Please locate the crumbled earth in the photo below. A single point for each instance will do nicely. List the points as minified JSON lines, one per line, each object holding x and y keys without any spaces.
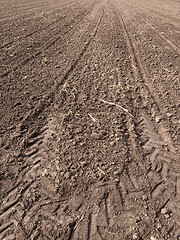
{"x":89,"y":128}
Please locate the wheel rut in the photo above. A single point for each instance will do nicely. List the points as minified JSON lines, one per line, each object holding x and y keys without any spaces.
{"x":142,"y":81}
{"x":36,"y":155}
{"x":60,"y":84}
{"x":163,"y":173}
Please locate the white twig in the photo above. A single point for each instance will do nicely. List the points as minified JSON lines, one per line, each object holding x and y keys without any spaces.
{"x":166,"y":70}
{"x":114,"y":104}
{"x":133,"y":66}
{"x":81,"y":218}
{"x":94,"y":119}
{"x":101,"y":170}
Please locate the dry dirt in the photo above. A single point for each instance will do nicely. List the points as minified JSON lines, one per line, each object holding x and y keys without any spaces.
{"x":89,"y":129}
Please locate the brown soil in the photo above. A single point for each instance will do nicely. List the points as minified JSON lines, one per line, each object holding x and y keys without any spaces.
{"x":89,"y":119}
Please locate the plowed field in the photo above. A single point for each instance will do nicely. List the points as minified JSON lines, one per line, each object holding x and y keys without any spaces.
{"x":90,"y":119}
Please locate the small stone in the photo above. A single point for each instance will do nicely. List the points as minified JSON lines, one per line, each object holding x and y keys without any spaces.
{"x":101,"y":176}
{"x":82,"y":144}
{"x":135,"y":236}
{"x":17,"y":154}
{"x":159,"y":226}
{"x":117,"y":172}
{"x":95,"y":135}
{"x":163,"y":210}
{"x":11,"y":160}
{"x":45,"y":172}
{"x":158,"y":119}
{"x":15,"y":222}
{"x":45,"y":60}
{"x":112,"y":144}
{"x":168,"y":114}
{"x":144,"y":197}
{"x":73,"y":179}
{"x":153,"y":238}
{"x":116,"y":180}
{"x":67,"y":175}
{"x":84,"y":163}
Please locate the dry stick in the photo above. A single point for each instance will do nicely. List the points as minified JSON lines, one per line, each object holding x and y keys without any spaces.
{"x":114,"y":104}
{"x":101,"y":170}
{"x":81,"y":218}
{"x":94,"y":119}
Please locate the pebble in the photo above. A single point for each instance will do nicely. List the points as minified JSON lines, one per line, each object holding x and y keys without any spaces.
{"x":11,"y":160}
{"x":67,"y":175}
{"x":163,"y":210}
{"x":158,"y":119}
{"x":135,"y":236}
{"x":84,"y":163}
{"x":45,"y":60}
{"x":45,"y":172}
{"x":112,"y":144}
{"x":159,"y":226}
{"x":101,"y":176}
{"x":95,"y":135}
{"x":169,"y":114}
{"x":153,"y":238}
{"x":117,"y":172}
{"x":17,"y":154}
{"x":145,"y":198}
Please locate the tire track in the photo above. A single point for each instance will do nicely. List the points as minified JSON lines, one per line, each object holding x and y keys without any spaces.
{"x":104,"y":216}
{"x":164,"y":172}
{"x":46,"y":45}
{"x":162,"y":187}
{"x":37,"y":155}
{"x":136,"y":65}
{"x":140,"y":73}
{"x":50,"y":96}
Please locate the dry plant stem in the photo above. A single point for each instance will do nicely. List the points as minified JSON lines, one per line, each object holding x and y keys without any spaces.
{"x":94,"y":120}
{"x":101,"y":170}
{"x":81,"y":218}
{"x":114,"y":104}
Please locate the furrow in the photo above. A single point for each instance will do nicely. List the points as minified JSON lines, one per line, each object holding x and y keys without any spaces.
{"x":46,"y":46}
{"x":44,"y":103}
